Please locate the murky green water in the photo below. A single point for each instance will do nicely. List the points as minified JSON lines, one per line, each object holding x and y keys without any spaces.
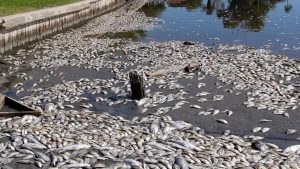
{"x":271,"y":24}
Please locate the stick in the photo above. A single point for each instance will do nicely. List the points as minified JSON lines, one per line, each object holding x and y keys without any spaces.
{"x":19,"y":113}
{"x":137,"y":85}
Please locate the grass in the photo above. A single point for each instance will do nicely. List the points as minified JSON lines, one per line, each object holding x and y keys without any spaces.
{"x":9,"y":7}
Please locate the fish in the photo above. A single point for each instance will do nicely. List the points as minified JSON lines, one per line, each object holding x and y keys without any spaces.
{"x":155,"y":126}
{"x":226,"y":132}
{"x":264,"y":120}
{"x":25,"y":151}
{"x":73,"y":147}
{"x":291,"y":131}
{"x":293,"y":149}
{"x":181,"y":162}
{"x":76,"y":165}
{"x":215,"y":112}
{"x":195,"y":106}
{"x":265,"y":129}
{"x":31,"y":146}
{"x":256,"y":129}
{"x":42,"y":156}
{"x":222,"y":121}
{"x":260,"y":146}
{"x":25,"y":162}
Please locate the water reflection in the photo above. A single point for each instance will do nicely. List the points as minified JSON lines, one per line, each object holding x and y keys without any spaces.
{"x":249,"y":15}
{"x":246,"y":14}
{"x":287,"y":7}
{"x":190,"y":5}
{"x":154,"y":9}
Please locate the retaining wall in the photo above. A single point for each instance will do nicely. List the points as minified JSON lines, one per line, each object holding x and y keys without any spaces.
{"x":22,"y":28}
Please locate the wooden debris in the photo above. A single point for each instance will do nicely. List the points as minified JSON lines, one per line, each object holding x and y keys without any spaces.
{"x":19,"y":108}
{"x":137,"y":85}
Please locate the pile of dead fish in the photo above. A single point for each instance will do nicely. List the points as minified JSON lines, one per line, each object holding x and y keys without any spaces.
{"x":271,"y":82}
{"x":84,"y":140}
{"x":68,"y":139}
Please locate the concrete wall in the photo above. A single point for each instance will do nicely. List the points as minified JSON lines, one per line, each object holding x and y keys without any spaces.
{"x":22,"y":28}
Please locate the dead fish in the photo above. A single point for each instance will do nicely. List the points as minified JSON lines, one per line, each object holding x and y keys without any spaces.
{"x":226,"y":132}
{"x":25,"y":162}
{"x":181,"y":162}
{"x":50,"y":107}
{"x":218,"y":97}
{"x":264,"y":120}
{"x":207,"y":113}
{"x":155,"y":126}
{"x":73,"y":147}
{"x":258,"y":145}
{"x":291,"y":131}
{"x":256,"y":129}
{"x":201,"y":100}
{"x":31,"y":146}
{"x":201,"y":85}
{"x":293,"y":149}
{"x":222,"y":121}
{"x":195,"y":106}
{"x":228,"y":112}
{"x":187,"y":145}
{"x":54,"y":160}
{"x":215,"y":112}
{"x":142,"y":101}
{"x":69,"y":106}
{"x":17,"y":85}
{"x":38,"y":164}
{"x":202,"y":94}
{"x":76,"y":165}
{"x":99,"y":165}
{"x":265,"y":129}
{"x":133,"y":163}
{"x":201,"y":113}
{"x":85,"y":106}
{"x":42,"y":156}
{"x":25,"y":151}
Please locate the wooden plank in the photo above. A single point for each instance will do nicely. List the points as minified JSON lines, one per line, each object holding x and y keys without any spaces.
{"x":16,"y":105}
{"x":2,"y":101}
{"x":19,"y":113}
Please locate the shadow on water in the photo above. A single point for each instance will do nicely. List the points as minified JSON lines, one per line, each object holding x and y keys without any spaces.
{"x":248,"y":14}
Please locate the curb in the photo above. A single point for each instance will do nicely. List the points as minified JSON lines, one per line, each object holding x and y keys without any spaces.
{"x":19,"y":29}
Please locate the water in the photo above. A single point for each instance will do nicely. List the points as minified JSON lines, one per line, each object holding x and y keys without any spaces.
{"x":271,"y":24}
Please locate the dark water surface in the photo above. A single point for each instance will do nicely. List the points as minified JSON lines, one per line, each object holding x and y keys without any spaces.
{"x":272,"y":24}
